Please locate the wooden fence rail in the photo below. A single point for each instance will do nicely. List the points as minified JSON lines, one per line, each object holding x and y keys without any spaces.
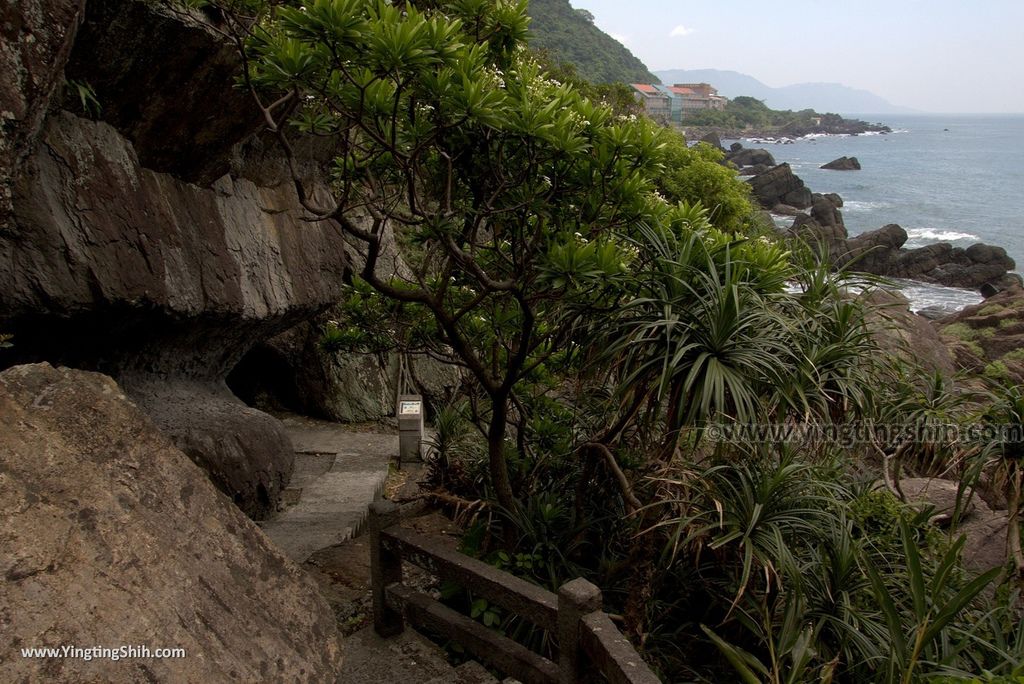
{"x":588,"y":640}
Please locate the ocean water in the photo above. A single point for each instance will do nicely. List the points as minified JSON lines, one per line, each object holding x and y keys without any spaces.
{"x":944,"y":178}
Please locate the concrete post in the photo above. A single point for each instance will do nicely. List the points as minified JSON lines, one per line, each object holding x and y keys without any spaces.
{"x":575,"y":600}
{"x":385,"y":569}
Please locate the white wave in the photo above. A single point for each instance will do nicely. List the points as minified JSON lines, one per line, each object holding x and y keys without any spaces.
{"x":937,"y":235}
{"x":947,"y":300}
{"x":855,"y":205}
{"x":936,"y":297}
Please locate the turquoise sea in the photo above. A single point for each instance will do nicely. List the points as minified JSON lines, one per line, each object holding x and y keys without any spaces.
{"x":944,"y":178}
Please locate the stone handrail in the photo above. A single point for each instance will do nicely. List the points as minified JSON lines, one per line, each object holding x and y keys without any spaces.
{"x":586,"y":635}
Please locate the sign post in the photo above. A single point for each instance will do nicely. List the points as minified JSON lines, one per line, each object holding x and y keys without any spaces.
{"x":410,"y":427}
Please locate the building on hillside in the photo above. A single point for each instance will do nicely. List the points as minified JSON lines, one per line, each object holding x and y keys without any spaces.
{"x":656,"y":104}
{"x":676,"y":102}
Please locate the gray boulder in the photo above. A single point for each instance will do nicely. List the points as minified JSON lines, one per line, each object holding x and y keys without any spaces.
{"x":751,"y":157}
{"x":779,"y":185}
{"x":985,"y":529}
{"x":713,"y":140}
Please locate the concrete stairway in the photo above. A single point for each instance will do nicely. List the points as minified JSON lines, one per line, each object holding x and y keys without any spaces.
{"x":338,"y":473}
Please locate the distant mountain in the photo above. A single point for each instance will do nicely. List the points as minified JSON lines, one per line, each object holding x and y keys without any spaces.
{"x":823,"y":97}
{"x":570,"y":35}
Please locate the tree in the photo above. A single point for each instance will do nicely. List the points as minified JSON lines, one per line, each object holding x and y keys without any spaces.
{"x":503,"y":191}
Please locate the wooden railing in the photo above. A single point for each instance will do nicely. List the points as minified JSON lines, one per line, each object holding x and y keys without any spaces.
{"x":588,"y":640}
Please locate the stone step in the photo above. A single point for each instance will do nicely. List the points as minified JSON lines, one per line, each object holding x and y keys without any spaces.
{"x":338,"y":473}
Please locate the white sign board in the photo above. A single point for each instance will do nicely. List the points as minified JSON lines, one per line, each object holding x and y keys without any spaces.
{"x":409,"y":408}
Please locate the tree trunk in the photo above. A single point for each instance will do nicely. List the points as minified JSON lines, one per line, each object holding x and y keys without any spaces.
{"x":498,"y":467}
{"x":673,"y":425}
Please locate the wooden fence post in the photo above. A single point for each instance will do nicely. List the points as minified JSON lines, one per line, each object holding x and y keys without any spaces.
{"x":575,"y":600}
{"x":385,"y":569}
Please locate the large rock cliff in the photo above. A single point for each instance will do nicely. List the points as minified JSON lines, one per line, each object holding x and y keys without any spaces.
{"x":130,"y":249}
{"x":112,"y":537}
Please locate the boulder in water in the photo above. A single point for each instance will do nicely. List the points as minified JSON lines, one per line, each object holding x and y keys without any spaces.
{"x":843,"y":164}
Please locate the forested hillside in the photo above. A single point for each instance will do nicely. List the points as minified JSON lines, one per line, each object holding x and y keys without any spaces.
{"x":571,"y":36}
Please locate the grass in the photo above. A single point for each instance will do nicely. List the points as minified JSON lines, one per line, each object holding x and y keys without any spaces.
{"x":992,"y":309}
{"x":960,"y":331}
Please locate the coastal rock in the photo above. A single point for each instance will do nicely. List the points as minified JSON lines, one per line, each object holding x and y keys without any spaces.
{"x":989,"y":337}
{"x":835,"y":199}
{"x":112,"y":536}
{"x":825,"y":212}
{"x":754,"y":170}
{"x":906,"y":335}
{"x":163,"y":283}
{"x":843,"y":164}
{"x":751,"y":157}
{"x":779,"y":185}
{"x":785,"y":210}
{"x":872,"y":252}
{"x":1006,"y":282}
{"x":881,"y":252}
{"x":712,"y":139}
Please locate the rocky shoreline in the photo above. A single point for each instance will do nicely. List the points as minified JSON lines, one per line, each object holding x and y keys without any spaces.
{"x":828,"y":124}
{"x":817,"y":219}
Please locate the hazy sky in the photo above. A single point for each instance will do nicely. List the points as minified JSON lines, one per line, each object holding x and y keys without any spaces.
{"x":933,"y":55}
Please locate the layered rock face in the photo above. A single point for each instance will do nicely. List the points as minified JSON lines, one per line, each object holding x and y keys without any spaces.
{"x":112,"y":537}
{"x":35,"y":37}
{"x":144,"y":260}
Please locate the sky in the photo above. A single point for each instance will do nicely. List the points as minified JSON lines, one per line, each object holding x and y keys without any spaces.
{"x":931,"y":55}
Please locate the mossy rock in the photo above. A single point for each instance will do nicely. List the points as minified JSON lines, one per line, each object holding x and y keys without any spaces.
{"x":1016,"y":355}
{"x":992,"y":309}
{"x":997,"y":370}
{"x":1011,"y":326}
{"x":960,"y":331}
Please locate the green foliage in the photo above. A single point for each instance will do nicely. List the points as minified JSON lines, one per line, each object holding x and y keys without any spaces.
{"x":695,"y":175}
{"x":960,"y":331}
{"x":574,"y":39}
{"x":509,"y":194}
{"x":919,"y":621}
{"x":599,"y":283}
{"x":1015,"y":355}
{"x":86,"y":97}
{"x":997,"y":370}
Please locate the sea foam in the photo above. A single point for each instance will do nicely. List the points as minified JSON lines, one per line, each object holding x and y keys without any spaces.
{"x":937,"y":235}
